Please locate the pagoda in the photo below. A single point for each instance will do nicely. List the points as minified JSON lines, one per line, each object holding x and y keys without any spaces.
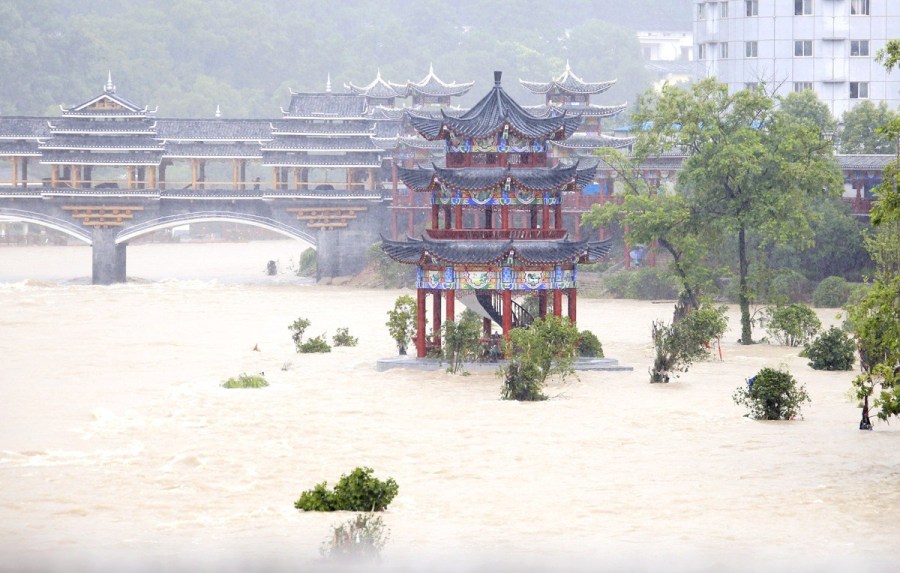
{"x":496,"y":167}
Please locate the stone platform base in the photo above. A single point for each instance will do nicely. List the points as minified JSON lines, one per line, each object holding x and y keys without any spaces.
{"x":413,"y":363}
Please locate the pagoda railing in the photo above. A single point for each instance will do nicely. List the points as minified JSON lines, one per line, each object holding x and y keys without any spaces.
{"x":496,"y":234}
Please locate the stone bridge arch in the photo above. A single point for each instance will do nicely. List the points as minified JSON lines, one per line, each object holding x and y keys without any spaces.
{"x":31,"y":217}
{"x":167,"y":222}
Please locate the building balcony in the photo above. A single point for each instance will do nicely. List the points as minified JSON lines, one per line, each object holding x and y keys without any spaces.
{"x":495,"y":234}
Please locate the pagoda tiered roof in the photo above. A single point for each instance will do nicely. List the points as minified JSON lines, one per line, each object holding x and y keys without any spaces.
{"x":543,"y":179}
{"x":490,"y":252}
{"x":378,"y":89}
{"x":431,"y":85}
{"x":326,"y":106}
{"x":568,"y":82}
{"x":496,"y":112}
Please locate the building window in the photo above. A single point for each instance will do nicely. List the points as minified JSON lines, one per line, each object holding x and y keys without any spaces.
{"x":752,"y":7}
{"x":802,"y":48}
{"x":723,"y":50}
{"x":751,"y":86}
{"x":701,"y":11}
{"x":859,"y":90}
{"x":803,"y":7}
{"x":859,"y":7}
{"x":750,"y":49}
{"x":701,"y":52}
{"x":803,"y":86}
{"x":723,"y":9}
{"x":859,"y":48}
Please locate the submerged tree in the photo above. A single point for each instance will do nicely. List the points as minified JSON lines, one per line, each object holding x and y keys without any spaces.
{"x":750,"y":167}
{"x":546,"y":348}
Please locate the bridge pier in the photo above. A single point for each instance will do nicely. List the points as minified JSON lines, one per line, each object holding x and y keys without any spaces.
{"x":108,"y":258}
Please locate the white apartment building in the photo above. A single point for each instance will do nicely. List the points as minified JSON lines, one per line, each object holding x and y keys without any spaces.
{"x":791,"y":45}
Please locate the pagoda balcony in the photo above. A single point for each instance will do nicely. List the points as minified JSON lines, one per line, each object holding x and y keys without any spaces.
{"x":495,"y":234}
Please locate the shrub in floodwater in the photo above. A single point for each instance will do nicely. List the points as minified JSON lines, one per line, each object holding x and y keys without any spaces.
{"x":359,"y":538}
{"x":298,"y":328}
{"x":343,"y":338}
{"x":315,"y":344}
{"x":246,"y":381}
{"x":544,"y":349}
{"x":358,"y":491}
{"x":832,"y":350}
{"x":589,"y":345}
{"x":772,"y":395}
{"x":792,"y":325}
{"x":832,"y":292}
{"x":680,"y":344}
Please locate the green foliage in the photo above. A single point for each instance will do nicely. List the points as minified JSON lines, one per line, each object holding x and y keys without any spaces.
{"x":806,"y":106}
{"x":360,"y":538}
{"x":307,"y":264}
{"x":772,"y":395}
{"x":298,"y":328}
{"x":358,"y":491}
{"x":589,"y":346}
{"x":832,"y":292}
{"x":343,"y":338}
{"x":402,"y":322}
{"x":793,"y":324}
{"x":246,"y":381}
{"x":460,"y":341}
{"x":788,"y":286}
{"x":831,"y":350}
{"x":544,"y":349}
{"x":752,"y":169}
{"x":861,"y":128}
{"x":391,"y":273}
{"x":316,"y":344}
{"x":680,"y":344}
{"x":649,"y":283}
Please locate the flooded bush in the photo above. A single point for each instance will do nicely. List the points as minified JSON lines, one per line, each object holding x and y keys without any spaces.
{"x":360,"y":538}
{"x":832,"y":350}
{"x":589,"y":346}
{"x":680,"y":344}
{"x":832,"y":292}
{"x":358,"y":491}
{"x":792,"y":325}
{"x":314,"y":345}
{"x":788,"y":286}
{"x":343,"y":338}
{"x":772,"y":395}
{"x":544,"y":349}
{"x":246,"y":381}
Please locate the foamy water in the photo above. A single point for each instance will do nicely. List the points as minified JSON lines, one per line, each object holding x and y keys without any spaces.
{"x":120,"y":451}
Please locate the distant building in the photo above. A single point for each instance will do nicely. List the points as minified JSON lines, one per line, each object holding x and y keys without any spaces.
{"x":828,"y":46}
{"x":668,"y":55}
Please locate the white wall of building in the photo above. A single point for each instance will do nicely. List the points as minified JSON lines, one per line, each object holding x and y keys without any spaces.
{"x":830,"y":50}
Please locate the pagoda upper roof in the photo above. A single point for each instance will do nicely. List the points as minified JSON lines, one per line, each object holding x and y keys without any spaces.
{"x":488,"y":252}
{"x":492,"y":114}
{"x":568,"y":82}
{"x":482,"y":179}
{"x":378,"y":89}
{"x":431,"y":85}
{"x":326,"y":106}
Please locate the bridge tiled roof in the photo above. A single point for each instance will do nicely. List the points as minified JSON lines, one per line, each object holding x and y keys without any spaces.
{"x":489,"y":116}
{"x":483,"y":179}
{"x":23,"y":127}
{"x":86,"y":158}
{"x":488,"y":252}
{"x":568,"y":82}
{"x":11,"y":147}
{"x":326,"y":105}
{"x":305,"y":143}
{"x":102,"y":142}
{"x":212,"y":151}
{"x":308,"y":127}
{"x":284,"y":159}
{"x":870,"y":161}
{"x":63,"y":125}
{"x":213,"y":129}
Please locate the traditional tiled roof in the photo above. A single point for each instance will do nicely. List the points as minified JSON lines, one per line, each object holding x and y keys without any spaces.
{"x":284,"y":159}
{"x":420,"y":143}
{"x":487,"y":252}
{"x":304,"y":143}
{"x":432,"y":86}
{"x":309,"y":127}
{"x":213,"y":129}
{"x":491,"y":115}
{"x":11,"y":147}
{"x":139,"y":126}
{"x":326,"y":106}
{"x":865,"y":162}
{"x":590,"y":142}
{"x":121,"y":105}
{"x":568,"y":82}
{"x":482,"y":179}
{"x":87,"y":158}
{"x":387,"y":129}
{"x":23,"y":128}
{"x":378,"y":89}
{"x":102,"y":142}
{"x":585,"y":110}
{"x":213,"y":151}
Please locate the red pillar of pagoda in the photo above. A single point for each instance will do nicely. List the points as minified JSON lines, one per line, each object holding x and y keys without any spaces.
{"x":557,"y":302}
{"x":572,"y":304}
{"x":451,"y":305}
{"x":436,"y":314}
{"x":420,"y":323}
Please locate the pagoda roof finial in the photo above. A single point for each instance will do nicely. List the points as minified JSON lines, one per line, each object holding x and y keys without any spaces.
{"x":218,"y":111}
{"x":497,"y":75}
{"x":328,"y":84}
{"x":109,"y":87}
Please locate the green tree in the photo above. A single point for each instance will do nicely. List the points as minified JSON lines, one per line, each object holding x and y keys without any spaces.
{"x":806,"y":106}
{"x":772,"y":395}
{"x":460,"y":340}
{"x":751,"y":168}
{"x":680,"y":344}
{"x":402,"y":322}
{"x":545,"y":349}
{"x":861,"y":129}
